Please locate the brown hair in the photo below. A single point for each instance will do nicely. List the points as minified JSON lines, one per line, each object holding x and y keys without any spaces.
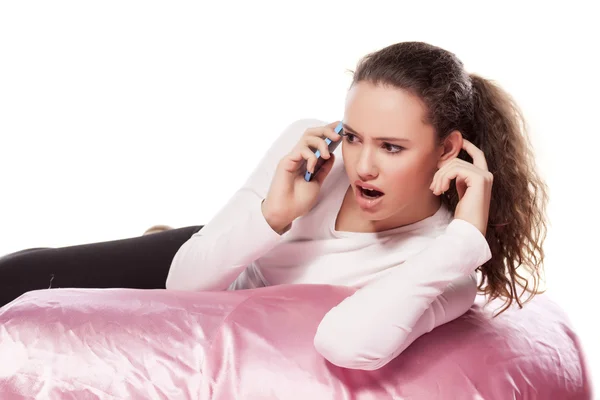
{"x":488,"y":117}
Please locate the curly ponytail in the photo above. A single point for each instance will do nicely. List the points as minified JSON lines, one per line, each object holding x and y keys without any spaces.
{"x":519,"y":196}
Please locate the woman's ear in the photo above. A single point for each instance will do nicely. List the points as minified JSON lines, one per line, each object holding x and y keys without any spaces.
{"x":451,"y":147}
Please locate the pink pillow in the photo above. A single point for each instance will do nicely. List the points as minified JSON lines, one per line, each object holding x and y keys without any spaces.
{"x":258,"y":344}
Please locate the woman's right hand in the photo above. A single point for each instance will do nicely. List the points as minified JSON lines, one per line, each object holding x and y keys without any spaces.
{"x":290,"y":196}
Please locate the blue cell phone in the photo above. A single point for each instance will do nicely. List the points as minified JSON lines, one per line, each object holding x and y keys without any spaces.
{"x":331,"y":145}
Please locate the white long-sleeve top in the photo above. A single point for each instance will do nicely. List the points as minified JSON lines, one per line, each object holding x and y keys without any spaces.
{"x":409,"y":279}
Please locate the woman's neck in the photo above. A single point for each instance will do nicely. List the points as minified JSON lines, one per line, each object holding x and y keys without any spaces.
{"x":351,"y":218}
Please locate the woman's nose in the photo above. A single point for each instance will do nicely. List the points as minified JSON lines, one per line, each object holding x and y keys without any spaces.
{"x":366,"y":168}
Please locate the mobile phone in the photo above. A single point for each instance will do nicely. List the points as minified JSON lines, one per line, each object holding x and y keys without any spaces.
{"x":331,"y":145}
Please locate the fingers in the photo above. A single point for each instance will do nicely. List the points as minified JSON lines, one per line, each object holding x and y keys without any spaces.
{"x":294,"y":159}
{"x":324,"y":170}
{"x":315,"y":138}
{"x":310,"y":157}
{"x":475,"y":152}
{"x":438,"y":178}
{"x":318,"y":143}
{"x":463,"y":172}
{"x":441,"y":179}
{"x":327,"y":131}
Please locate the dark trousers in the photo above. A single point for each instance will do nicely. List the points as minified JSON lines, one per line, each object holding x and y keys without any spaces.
{"x":139,"y":263}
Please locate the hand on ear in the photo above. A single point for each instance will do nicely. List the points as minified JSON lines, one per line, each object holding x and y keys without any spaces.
{"x":473,"y":184}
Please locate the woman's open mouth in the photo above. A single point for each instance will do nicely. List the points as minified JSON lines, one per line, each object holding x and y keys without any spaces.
{"x":371,"y":193}
{"x":367,"y":198}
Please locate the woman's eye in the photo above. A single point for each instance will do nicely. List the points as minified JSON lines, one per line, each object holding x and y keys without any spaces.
{"x":350,"y":137}
{"x":392,"y":148}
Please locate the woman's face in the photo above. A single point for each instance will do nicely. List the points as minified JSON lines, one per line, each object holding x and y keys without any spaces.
{"x":388,"y":146}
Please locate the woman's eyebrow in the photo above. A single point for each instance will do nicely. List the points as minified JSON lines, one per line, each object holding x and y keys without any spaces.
{"x":383,"y":139}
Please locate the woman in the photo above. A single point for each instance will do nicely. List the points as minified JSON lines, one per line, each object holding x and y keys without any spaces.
{"x":436,"y":182}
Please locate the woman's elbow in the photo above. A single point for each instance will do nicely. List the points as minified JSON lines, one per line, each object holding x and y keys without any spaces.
{"x":172,"y":283}
{"x":175,"y":279}
{"x":183,"y":272}
{"x":349,"y":352}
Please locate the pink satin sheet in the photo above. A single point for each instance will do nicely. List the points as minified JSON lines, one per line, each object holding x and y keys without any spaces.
{"x":258,"y":344}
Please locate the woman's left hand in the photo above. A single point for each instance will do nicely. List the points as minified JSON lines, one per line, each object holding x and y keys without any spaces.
{"x":473,"y":184}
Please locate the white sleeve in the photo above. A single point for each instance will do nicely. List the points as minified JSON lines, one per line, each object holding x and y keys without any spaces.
{"x":238,"y":234}
{"x":374,"y":325}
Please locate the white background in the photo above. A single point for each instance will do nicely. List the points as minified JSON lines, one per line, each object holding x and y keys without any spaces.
{"x":118,"y":115}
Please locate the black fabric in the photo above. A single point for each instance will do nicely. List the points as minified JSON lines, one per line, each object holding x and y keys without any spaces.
{"x":140,"y":263}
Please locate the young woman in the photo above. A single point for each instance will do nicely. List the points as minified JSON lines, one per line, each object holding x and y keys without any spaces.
{"x":435,"y":196}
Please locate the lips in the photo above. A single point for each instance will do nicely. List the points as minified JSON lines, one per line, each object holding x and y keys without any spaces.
{"x":368,"y":197}
{"x":368,"y":188}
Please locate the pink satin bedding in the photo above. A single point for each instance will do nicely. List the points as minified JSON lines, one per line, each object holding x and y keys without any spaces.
{"x":258,"y":344}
